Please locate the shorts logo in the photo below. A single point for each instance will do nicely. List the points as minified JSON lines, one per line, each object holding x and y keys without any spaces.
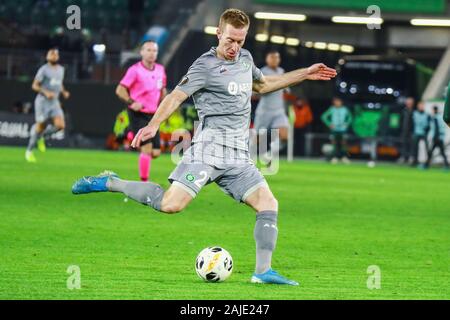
{"x":55,"y":82}
{"x":190,"y":177}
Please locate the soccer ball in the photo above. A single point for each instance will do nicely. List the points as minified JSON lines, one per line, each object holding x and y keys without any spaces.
{"x":214,"y":264}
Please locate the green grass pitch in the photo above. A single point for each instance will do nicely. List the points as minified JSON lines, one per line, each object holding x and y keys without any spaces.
{"x":335,"y":222}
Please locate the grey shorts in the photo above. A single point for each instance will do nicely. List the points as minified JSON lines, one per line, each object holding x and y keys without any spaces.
{"x":268,"y":121}
{"x":238,"y":181}
{"x":47,"y":109}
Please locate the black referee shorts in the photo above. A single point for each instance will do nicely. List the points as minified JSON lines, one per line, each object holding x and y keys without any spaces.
{"x":139,"y":120}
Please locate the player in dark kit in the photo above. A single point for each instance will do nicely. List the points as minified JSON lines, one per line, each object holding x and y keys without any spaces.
{"x":221,"y":83}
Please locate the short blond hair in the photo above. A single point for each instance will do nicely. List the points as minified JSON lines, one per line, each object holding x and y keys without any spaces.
{"x":235,"y":17}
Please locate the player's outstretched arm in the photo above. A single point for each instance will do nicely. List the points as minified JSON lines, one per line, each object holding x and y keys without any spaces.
{"x":317,"y":71}
{"x":168,"y":106}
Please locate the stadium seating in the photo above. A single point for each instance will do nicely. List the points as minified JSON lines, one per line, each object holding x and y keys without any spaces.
{"x":96,"y":14}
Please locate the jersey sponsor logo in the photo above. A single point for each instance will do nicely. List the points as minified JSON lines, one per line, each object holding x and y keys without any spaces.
{"x":55,"y":82}
{"x":234,"y":88}
{"x":183,"y":81}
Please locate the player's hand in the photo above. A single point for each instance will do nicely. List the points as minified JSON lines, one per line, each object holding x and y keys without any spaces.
{"x":136,"y":106}
{"x":319,"y":71}
{"x":144,"y":134}
{"x":66,"y":94}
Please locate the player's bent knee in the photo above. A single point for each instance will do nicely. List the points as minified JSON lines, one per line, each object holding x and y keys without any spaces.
{"x":59,"y":123}
{"x":284,"y":133}
{"x":171,"y":208}
{"x":40,"y":127}
{"x":175,"y":200}
{"x":271,"y":204}
{"x":147,"y":149}
{"x":156,"y":153}
{"x":262,"y":200}
{"x":266,"y":204}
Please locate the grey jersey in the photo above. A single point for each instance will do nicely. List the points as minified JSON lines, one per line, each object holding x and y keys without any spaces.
{"x":221,"y":91}
{"x":51,"y":78}
{"x":271,"y":103}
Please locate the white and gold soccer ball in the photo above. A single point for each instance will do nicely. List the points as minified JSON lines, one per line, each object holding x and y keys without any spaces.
{"x":214,"y":264}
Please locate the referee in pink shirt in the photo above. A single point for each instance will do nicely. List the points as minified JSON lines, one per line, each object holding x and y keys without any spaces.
{"x":142,"y":88}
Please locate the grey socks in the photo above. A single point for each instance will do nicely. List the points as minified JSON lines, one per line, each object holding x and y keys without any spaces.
{"x":34,"y":137}
{"x":51,"y":129}
{"x":276,"y":146}
{"x":266,"y":233}
{"x":147,"y":193}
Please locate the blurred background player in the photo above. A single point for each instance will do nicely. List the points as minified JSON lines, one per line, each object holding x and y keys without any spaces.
{"x":338,"y":119}
{"x":447,"y":107}
{"x":48,"y":83}
{"x":437,"y":133}
{"x":142,"y":89}
{"x":407,"y":130}
{"x":271,"y":110}
{"x":421,"y":126}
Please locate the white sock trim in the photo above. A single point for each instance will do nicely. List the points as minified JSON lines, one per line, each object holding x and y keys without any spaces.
{"x":185,"y":188}
{"x":253,"y":189}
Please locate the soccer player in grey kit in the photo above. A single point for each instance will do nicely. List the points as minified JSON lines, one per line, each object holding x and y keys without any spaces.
{"x":48,"y":83}
{"x":221,"y":83}
{"x":271,"y":110}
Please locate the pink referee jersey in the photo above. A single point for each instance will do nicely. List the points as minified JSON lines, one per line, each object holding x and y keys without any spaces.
{"x":145,"y":85}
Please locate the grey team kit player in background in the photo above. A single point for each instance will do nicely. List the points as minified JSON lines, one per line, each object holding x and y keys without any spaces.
{"x":48,"y":83}
{"x":271,"y":110}
{"x":221,"y":83}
